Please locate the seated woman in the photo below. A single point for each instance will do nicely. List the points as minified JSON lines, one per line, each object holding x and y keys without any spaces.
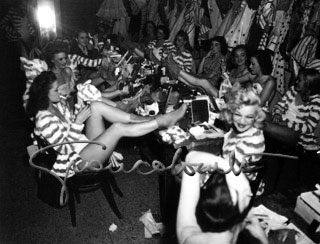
{"x":57,"y":59}
{"x":58,"y":126}
{"x":295,"y":119}
{"x":216,"y":211}
{"x":262,"y":81}
{"x":243,"y":112}
{"x":212,"y":207}
{"x":149,"y":34}
{"x":210,"y":66}
{"x":182,"y":56}
{"x":157,"y":50}
{"x":239,"y":69}
{"x":209,"y":70}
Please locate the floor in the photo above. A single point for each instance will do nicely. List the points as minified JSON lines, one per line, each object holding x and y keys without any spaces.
{"x":25,"y":219}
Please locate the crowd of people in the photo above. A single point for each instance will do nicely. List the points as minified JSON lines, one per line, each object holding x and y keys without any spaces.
{"x":214,"y":206}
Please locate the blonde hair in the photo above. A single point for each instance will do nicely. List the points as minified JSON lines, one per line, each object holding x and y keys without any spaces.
{"x":240,"y":98}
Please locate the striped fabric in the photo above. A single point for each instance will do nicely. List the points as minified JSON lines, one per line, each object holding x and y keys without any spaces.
{"x":165,"y":50}
{"x":265,"y":14}
{"x":184,"y":60}
{"x":314,"y":64}
{"x":250,"y":141}
{"x":305,"y":50}
{"x":50,"y":127}
{"x":301,"y":118}
{"x":76,"y":60}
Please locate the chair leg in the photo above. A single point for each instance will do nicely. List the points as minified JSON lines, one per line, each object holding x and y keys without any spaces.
{"x":113,"y":184}
{"x":77,"y":194}
{"x":72,"y":207}
{"x":106,"y":189}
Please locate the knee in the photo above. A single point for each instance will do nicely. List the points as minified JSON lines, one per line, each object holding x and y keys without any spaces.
{"x":96,"y":107}
{"x":119,"y":128}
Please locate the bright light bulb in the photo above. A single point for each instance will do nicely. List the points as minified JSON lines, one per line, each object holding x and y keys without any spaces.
{"x":46,"y":17}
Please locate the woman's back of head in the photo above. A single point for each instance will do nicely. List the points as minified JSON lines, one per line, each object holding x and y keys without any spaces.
{"x":215,"y":211}
{"x":38,"y":93}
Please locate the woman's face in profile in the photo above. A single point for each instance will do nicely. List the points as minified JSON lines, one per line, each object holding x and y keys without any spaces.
{"x":300,"y":84}
{"x":244,"y":117}
{"x":60,"y":60}
{"x":240,"y":57}
{"x":53,"y":94}
{"x":254,"y":66}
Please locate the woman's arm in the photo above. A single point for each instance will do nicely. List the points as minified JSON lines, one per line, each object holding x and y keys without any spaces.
{"x":48,"y":125}
{"x":267,"y":91}
{"x":187,"y":225}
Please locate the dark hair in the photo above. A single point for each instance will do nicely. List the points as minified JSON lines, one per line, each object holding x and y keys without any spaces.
{"x":53,"y":48}
{"x":144,"y":31}
{"x":38,"y":93}
{"x":215,"y":211}
{"x":312,"y":86}
{"x":185,"y":37}
{"x":165,"y":30}
{"x":241,"y":47}
{"x":264,"y":60}
{"x":223,"y":43}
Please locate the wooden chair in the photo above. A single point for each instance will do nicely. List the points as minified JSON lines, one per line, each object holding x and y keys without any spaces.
{"x":70,"y":188}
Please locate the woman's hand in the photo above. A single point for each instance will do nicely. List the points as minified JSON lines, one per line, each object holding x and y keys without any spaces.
{"x":125,"y":90}
{"x":255,"y":229}
{"x":276,"y":118}
{"x":83,"y":115}
{"x":240,"y":190}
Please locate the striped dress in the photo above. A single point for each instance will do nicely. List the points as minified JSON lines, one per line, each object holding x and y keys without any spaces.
{"x":164,"y":50}
{"x":50,"y":127}
{"x":184,"y":59}
{"x":302,"y":118}
{"x":250,"y":141}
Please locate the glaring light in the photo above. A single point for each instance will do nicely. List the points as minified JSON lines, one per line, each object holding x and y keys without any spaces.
{"x":46,"y":17}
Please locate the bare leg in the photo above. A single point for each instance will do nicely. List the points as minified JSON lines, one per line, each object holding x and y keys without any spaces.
{"x":100,"y":112}
{"x":112,"y":135}
{"x":198,"y":82}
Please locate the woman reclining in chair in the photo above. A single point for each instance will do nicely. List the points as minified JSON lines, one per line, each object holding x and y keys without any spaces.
{"x":57,"y":126}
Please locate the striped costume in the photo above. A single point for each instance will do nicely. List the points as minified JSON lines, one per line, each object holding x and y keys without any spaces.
{"x":165,"y":50}
{"x":50,"y":127}
{"x":250,"y":141}
{"x":184,"y":60}
{"x":301,"y":118}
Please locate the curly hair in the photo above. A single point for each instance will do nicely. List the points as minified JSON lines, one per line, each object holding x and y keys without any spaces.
{"x":185,"y":37}
{"x":264,"y":59}
{"x":223,"y":43}
{"x":215,"y":211}
{"x":53,"y":48}
{"x":240,"y":98}
{"x":38,"y":93}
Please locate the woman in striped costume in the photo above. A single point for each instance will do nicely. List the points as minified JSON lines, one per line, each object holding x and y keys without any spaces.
{"x":59,"y":127}
{"x":295,"y":120}
{"x":213,"y":206}
{"x":182,"y":56}
{"x":157,"y":50}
